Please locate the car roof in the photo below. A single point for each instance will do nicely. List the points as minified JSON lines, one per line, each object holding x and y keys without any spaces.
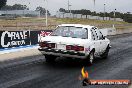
{"x":77,"y":25}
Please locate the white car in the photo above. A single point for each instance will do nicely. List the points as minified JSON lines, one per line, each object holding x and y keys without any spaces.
{"x":76,"y":41}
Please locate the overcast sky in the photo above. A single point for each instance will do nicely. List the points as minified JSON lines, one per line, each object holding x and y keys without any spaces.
{"x":54,"y":5}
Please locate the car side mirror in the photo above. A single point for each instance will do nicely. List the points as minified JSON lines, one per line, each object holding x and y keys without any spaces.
{"x":104,"y":37}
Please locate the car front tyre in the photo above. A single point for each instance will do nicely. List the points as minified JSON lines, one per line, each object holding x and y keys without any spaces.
{"x":105,"y":54}
{"x":50,"y":58}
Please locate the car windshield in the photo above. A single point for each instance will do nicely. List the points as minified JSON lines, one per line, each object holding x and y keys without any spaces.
{"x":74,"y":32}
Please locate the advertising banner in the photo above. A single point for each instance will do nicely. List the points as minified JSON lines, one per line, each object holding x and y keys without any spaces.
{"x":10,"y":39}
{"x":14,"y":38}
{"x":35,"y":36}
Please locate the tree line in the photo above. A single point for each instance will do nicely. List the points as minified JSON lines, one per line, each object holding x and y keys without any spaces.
{"x":2,"y":3}
{"x":23,"y":7}
{"x":15,"y":7}
{"x":125,"y":16}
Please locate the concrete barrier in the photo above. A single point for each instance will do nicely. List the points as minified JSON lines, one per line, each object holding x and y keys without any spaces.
{"x":122,"y":31}
{"x":114,"y":31}
{"x":108,"y":31}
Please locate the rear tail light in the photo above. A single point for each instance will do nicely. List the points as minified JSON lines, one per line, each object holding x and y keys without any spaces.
{"x":49,"y":45}
{"x":79,"y":48}
{"x":42,"y":44}
{"x":68,"y":47}
{"x":76,"y":48}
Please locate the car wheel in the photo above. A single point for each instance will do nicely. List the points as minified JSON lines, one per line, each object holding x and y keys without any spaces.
{"x":90,"y":58}
{"x":50,"y":58}
{"x":105,"y":54}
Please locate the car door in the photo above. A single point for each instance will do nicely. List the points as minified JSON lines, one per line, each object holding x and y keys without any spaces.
{"x":95,"y":41}
{"x":101,"y":40}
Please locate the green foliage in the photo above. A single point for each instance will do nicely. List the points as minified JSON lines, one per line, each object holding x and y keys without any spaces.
{"x":14,"y":7}
{"x":42,"y":11}
{"x":128,"y":17}
{"x":2,"y":3}
{"x":62,"y":10}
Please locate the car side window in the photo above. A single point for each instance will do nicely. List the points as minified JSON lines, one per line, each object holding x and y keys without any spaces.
{"x":94,"y":34}
{"x":99,"y":34}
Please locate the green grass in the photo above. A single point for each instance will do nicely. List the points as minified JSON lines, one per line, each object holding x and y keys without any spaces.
{"x":39,"y":23}
{"x":30,"y":19}
{"x":99,"y":23}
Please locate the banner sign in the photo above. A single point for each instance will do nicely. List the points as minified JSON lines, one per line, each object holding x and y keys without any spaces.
{"x":35,"y":36}
{"x":10,"y":39}
{"x":14,"y":38}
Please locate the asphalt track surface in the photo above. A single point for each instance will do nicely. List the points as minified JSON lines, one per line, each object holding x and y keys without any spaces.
{"x":34,"y":72}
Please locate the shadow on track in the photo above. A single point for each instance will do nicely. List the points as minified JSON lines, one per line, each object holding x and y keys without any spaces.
{"x":72,"y":63}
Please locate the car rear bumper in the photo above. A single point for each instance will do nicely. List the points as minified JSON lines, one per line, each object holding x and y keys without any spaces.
{"x":64,"y":53}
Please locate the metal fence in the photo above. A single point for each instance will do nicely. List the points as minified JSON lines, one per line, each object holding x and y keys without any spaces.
{"x":20,"y":12}
{"x":70,"y":15}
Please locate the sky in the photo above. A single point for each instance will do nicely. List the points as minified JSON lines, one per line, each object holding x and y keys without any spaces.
{"x":54,"y":5}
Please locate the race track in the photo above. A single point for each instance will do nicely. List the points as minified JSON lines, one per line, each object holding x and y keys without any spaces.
{"x":34,"y":72}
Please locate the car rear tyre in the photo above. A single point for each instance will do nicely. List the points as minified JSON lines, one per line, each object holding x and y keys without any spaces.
{"x":50,"y":58}
{"x":90,"y":58}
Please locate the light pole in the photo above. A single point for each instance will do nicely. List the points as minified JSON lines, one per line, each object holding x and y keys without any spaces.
{"x":104,"y":11}
{"x":114,"y":18}
{"x":68,"y":5}
{"x":46,"y":14}
{"x":70,"y":10}
{"x":29,"y":6}
{"x":115,"y":15}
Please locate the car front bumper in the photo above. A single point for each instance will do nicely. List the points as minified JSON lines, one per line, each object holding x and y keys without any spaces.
{"x":64,"y":53}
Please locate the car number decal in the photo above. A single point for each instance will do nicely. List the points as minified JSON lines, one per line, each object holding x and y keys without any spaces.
{"x":87,"y":49}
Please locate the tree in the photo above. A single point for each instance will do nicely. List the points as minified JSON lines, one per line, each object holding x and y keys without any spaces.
{"x":15,"y":7}
{"x":62,"y":10}
{"x":94,"y":13}
{"x":2,"y":3}
{"x":42,"y":11}
{"x":85,"y":12}
{"x":19,"y":7}
{"x":128,"y":17}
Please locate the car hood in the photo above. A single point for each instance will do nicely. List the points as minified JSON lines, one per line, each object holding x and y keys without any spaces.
{"x":64,"y":40}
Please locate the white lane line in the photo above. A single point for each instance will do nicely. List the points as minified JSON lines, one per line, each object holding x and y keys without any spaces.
{"x":18,"y":49}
